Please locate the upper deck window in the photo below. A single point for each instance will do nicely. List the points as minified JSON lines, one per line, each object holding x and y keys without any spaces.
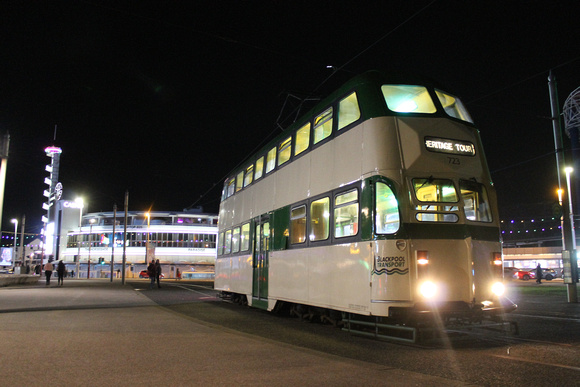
{"x":408,"y":99}
{"x":284,"y":150}
{"x":323,"y":126}
{"x":453,"y":106}
{"x":249,"y":175}
{"x":271,"y":160}
{"x":348,"y":111}
{"x":231,"y":187}
{"x":259,"y":168}
{"x":302,"y":139}
{"x":239,"y":181}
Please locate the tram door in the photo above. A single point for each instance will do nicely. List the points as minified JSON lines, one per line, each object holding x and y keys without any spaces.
{"x":260,"y":258}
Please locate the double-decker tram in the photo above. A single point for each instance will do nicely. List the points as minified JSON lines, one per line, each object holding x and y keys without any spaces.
{"x":377,"y":208}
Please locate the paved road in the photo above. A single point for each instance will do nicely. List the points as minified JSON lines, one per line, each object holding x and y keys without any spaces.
{"x":94,"y":333}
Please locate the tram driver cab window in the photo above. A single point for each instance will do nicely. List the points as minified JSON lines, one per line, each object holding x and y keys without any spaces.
{"x":475,"y":201}
{"x":438,"y":200}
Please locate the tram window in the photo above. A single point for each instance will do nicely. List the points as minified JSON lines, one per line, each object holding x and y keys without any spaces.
{"x":239,"y":181}
{"x":435,"y":190}
{"x":348,"y":111}
{"x":284,"y":151}
{"x":453,"y":106}
{"x":298,"y":225}
{"x":475,"y":201}
{"x":236,"y":240}
{"x":245,"y":237}
{"x":228,"y":242}
{"x":220,"y":250}
{"x":302,"y":139}
{"x":323,"y":126}
{"x":408,"y":99}
{"x":249,"y":175}
{"x":387,"y":210}
{"x":346,"y":214}
{"x":259,"y":168}
{"x":436,"y":217}
{"x":271,"y":160}
{"x":231,"y":187}
{"x":319,"y":214}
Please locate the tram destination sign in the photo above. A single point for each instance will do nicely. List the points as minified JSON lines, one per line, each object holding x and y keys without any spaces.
{"x":445,"y":145}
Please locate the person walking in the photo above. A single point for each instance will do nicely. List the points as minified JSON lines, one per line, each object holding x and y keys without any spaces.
{"x":151,"y":273}
{"x":157,"y":273}
{"x":48,"y":268}
{"x":60,"y":270}
{"x":538,"y":274}
{"x":178,"y":274}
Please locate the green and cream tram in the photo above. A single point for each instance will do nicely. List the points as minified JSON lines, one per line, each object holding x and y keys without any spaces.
{"x":376,"y":203}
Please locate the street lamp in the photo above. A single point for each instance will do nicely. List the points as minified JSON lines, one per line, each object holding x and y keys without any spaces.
{"x":80,"y":205}
{"x":91,"y":221}
{"x":568,"y":171}
{"x":14,"y":255}
{"x":148,"y":215}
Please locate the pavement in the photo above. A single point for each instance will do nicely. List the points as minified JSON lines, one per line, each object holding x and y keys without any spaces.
{"x":98,"y":333}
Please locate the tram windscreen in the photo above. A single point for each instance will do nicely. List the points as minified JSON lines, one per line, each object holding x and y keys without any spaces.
{"x":475,"y":201}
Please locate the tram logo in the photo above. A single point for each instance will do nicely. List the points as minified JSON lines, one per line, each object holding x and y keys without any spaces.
{"x":390,"y":265}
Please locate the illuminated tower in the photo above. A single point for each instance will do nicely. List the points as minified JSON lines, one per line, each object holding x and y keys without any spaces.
{"x":52,"y":194}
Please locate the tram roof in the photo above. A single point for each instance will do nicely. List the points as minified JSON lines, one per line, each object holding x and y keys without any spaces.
{"x":365,"y":82}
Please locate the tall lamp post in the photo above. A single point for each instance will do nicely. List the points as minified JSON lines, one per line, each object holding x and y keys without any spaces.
{"x":91,"y":221}
{"x":80,"y":203}
{"x":14,"y":255}
{"x":568,"y":171}
{"x":148,"y":215}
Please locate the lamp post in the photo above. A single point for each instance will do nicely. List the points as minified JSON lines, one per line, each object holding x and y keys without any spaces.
{"x":568,"y":171}
{"x":91,"y":221}
{"x":14,"y":255}
{"x":148,"y":215}
{"x":79,"y":202}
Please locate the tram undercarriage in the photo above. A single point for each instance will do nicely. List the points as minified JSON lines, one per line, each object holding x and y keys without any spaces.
{"x":408,"y":325}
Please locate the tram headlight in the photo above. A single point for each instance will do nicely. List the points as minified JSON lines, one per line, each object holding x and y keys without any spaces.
{"x":498,"y":289}
{"x":428,"y":289}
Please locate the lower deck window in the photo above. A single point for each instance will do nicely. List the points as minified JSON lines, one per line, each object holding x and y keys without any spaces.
{"x":387,"y":210}
{"x":319,"y":214}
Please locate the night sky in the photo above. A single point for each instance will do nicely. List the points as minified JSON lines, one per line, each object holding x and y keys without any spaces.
{"x":164,"y":98}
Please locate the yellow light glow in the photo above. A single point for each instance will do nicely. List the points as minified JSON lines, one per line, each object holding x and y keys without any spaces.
{"x":428,"y":289}
{"x":498,"y":288}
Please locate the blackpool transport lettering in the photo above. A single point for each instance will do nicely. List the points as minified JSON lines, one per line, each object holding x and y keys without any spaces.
{"x":390,"y":265}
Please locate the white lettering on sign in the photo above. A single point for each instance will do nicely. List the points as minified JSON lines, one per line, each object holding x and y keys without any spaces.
{"x":444,"y":145}
{"x":72,"y":205}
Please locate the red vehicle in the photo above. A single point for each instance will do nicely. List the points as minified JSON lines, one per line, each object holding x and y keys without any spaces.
{"x":547,"y":274}
{"x":143,"y":274}
{"x":525,"y":274}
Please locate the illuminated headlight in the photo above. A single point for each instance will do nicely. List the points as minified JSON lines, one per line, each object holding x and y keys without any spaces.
{"x":498,"y":288}
{"x":428,"y":289}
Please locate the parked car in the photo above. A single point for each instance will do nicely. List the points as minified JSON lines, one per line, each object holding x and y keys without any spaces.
{"x":525,"y":274}
{"x":508,"y":272}
{"x":547,"y":274}
{"x":143,"y":274}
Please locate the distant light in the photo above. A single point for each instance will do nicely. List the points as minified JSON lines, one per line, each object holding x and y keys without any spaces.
{"x":52,"y":150}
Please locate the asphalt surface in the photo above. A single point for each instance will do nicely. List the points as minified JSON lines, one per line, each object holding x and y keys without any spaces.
{"x":96,"y":333}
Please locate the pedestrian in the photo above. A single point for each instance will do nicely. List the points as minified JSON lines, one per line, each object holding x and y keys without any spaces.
{"x":118,"y":273}
{"x":178,"y":274}
{"x":538,"y":274}
{"x":151,"y":273}
{"x":60,"y":270}
{"x":48,"y":271}
{"x":157,"y":273}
